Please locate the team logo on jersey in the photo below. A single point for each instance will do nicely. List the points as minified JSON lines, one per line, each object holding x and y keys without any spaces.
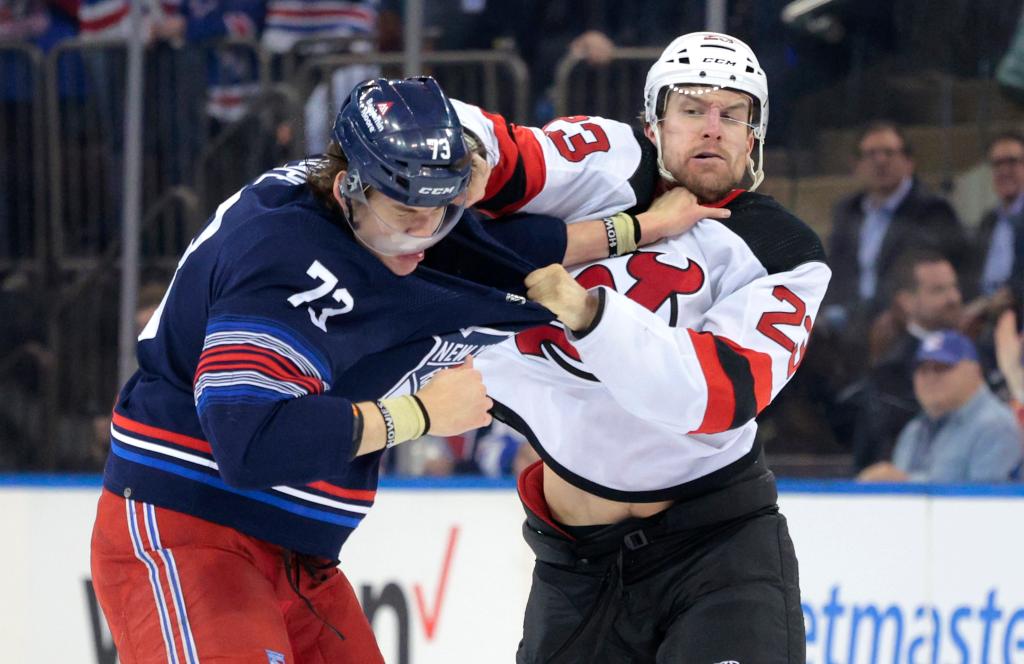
{"x":448,"y":351}
{"x":656,"y":283}
{"x":274,"y":657}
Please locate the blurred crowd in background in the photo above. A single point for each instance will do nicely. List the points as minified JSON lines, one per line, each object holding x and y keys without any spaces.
{"x":895,"y":132}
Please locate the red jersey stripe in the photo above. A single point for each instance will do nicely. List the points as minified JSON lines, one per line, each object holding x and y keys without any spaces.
{"x":163,"y":434}
{"x":241,"y":361}
{"x":203,"y":446}
{"x":353,"y":494}
{"x":284,"y":363}
{"x":721,"y":406}
{"x":515,"y":145}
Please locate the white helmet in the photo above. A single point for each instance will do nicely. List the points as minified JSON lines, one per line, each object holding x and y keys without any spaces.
{"x":712,"y":59}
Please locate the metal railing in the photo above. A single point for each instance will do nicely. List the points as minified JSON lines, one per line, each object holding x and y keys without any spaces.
{"x":613,"y":91}
{"x":22,"y":158}
{"x":496,"y":80}
{"x":85,"y":133}
{"x":269,"y":132}
{"x":193,"y":158}
{"x":81,"y":326}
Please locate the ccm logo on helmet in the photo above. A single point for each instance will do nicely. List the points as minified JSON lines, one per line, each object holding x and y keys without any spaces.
{"x":437,"y":191}
{"x":720,"y":61}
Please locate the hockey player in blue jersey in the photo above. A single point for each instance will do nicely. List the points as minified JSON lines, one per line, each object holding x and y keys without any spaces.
{"x":294,"y":344}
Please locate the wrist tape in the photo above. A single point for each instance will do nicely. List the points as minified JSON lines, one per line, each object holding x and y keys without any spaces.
{"x":405,"y":418}
{"x":623,"y":232}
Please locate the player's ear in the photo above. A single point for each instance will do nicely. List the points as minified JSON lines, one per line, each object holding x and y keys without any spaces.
{"x":648,"y":133}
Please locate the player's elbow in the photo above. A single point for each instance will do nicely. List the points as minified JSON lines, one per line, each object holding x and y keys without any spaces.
{"x":234,"y":466}
{"x":238,"y":475}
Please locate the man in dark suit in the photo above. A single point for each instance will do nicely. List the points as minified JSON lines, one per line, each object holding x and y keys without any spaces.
{"x":871,"y":229}
{"x":1000,"y":234}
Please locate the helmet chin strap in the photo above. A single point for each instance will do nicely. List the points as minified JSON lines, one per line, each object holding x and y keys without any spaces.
{"x":668,"y":177}
{"x":757,"y":174}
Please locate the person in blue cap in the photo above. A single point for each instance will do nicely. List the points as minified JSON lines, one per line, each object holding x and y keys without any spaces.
{"x":964,"y":433}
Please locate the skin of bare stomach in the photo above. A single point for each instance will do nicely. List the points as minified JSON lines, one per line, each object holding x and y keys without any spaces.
{"x":575,"y":507}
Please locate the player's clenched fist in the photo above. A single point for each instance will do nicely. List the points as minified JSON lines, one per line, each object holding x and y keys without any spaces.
{"x":554,"y":288}
{"x":674,"y":213}
{"x":456,"y":400}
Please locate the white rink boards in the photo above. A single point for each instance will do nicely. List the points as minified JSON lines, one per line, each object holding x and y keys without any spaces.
{"x":897,"y":574}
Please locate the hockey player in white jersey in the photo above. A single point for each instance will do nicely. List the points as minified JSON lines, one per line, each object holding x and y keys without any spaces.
{"x":652,"y":514}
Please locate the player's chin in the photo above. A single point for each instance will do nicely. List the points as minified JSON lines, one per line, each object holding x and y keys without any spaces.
{"x":708,"y":187}
{"x":404,"y":264}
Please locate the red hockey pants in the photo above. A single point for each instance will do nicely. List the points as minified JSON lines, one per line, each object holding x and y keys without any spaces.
{"x":175,"y":588}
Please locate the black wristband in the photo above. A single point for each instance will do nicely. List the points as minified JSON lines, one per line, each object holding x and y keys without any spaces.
{"x":389,"y":424}
{"x":426,"y":415}
{"x":636,"y":229}
{"x":612,"y":236}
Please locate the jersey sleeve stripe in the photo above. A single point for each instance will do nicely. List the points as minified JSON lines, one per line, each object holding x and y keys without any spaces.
{"x":243,"y":359}
{"x":253,"y":364}
{"x":735,"y":390}
{"x":760,"y":369}
{"x":721,"y":406}
{"x":520,"y":172}
{"x":277,"y":336}
{"x":334,"y":490}
{"x":155,"y":432}
{"x":161,"y":441}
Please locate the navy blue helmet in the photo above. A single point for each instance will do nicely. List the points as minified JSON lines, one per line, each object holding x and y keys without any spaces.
{"x":404,"y":139}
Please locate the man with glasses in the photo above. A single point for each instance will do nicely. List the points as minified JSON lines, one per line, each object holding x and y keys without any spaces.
{"x":999,"y":232}
{"x":891,"y":214}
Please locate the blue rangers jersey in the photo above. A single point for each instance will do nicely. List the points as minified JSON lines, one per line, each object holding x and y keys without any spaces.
{"x":275,"y":323}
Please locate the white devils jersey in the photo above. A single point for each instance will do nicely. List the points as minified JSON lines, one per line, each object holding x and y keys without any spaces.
{"x":575,"y":168}
{"x":695,"y":336}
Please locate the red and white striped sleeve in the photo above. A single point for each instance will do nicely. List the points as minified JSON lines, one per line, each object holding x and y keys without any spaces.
{"x":714,"y":376}
{"x":575,"y":168}
{"x":719,"y":372}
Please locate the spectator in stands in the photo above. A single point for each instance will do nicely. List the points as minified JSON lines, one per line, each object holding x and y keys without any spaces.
{"x":295,"y":29}
{"x":872,"y":228}
{"x":964,"y":433}
{"x":232,"y":74}
{"x":925,"y":299}
{"x":1008,"y":345}
{"x":999,"y":229}
{"x":1000,"y":236}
